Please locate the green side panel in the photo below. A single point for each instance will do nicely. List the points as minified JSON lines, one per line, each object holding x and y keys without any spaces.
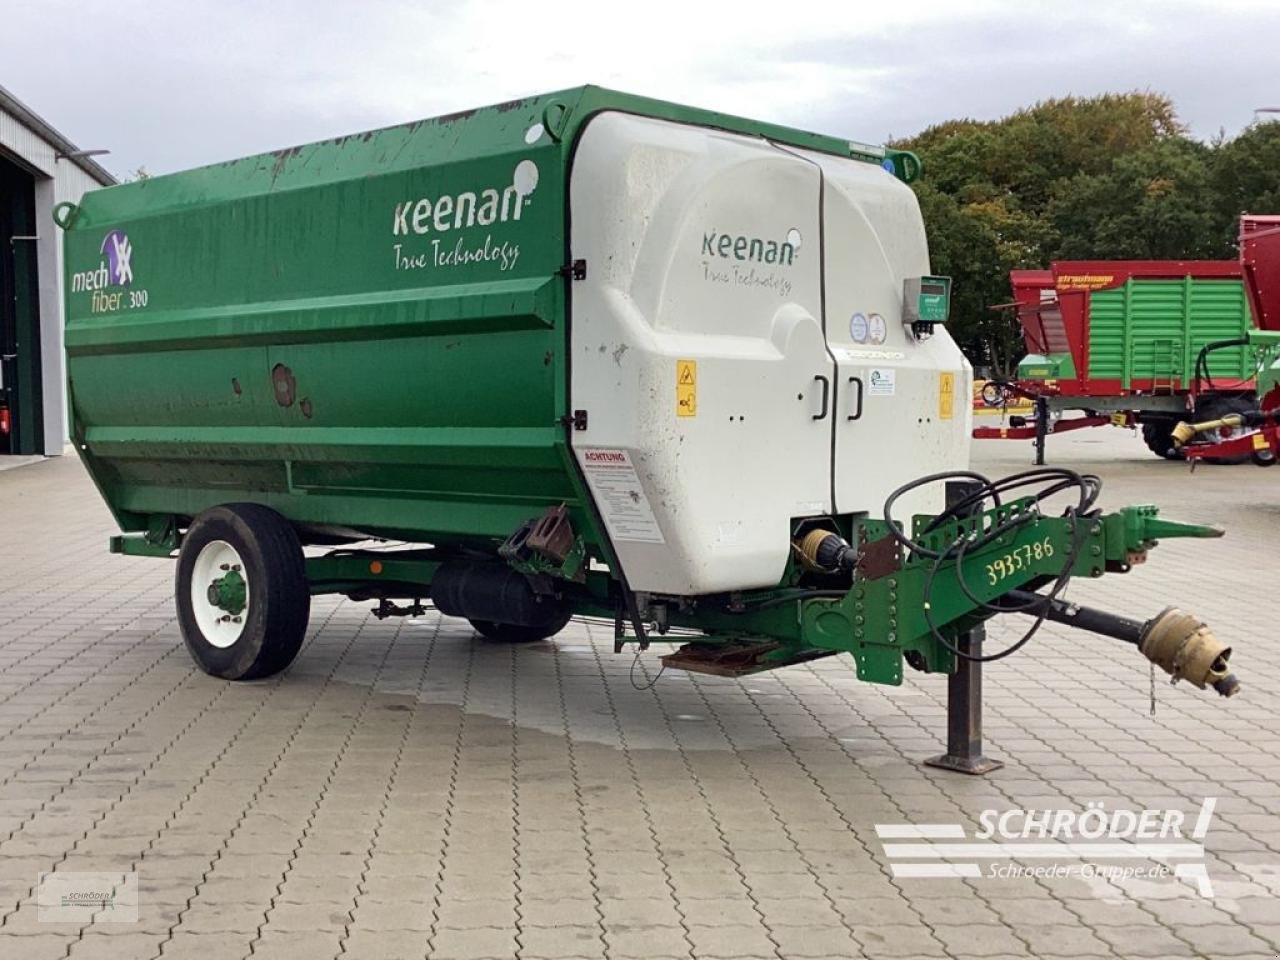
{"x":1154,"y":329}
{"x":367,"y":333}
{"x":1220,"y":311}
{"x":1106,"y":333}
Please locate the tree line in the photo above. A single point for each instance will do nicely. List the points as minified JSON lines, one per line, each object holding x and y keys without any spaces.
{"x":1115,"y":176}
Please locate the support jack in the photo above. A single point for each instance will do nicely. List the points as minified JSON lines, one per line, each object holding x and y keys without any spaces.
{"x":964,"y":713}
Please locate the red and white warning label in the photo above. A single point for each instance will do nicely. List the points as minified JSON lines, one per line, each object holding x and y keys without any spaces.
{"x":619,"y":496}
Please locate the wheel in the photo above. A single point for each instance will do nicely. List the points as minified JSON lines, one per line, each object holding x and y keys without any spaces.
{"x":1222,"y":406}
{"x":511,"y":633}
{"x":241,"y":591}
{"x":1158,"y":436}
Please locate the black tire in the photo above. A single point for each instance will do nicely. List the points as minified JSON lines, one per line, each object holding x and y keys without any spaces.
{"x":1158,"y":436}
{"x":1217,"y":407}
{"x":511,"y":633}
{"x":274,"y":622}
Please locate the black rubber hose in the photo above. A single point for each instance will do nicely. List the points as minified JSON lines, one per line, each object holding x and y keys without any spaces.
{"x":915,"y":484}
{"x":1088,"y":484}
{"x":1053,"y":480}
{"x":1202,"y":359}
{"x":1060,"y":584}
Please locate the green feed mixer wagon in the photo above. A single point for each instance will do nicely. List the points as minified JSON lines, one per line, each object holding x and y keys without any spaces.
{"x":584,"y":354}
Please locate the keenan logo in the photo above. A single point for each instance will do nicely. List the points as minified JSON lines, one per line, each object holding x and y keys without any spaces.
{"x":483,"y":206}
{"x":741,"y":247}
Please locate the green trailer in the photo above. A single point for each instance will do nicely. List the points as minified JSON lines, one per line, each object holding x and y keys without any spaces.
{"x":581,"y":354}
{"x":1136,"y":343}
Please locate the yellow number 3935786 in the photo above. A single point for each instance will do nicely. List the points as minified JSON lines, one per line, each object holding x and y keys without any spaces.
{"x":1018,"y":559}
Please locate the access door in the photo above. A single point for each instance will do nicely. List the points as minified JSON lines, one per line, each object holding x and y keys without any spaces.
{"x":697,"y":352}
{"x":904,"y":403}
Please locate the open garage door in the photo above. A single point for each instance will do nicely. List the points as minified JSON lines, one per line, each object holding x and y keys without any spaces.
{"x":21,"y":418}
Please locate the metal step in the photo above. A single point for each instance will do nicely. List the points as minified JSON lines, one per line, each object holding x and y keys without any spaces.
{"x":735,"y":659}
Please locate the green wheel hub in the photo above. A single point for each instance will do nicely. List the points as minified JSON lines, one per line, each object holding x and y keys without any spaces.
{"x":229,"y":592}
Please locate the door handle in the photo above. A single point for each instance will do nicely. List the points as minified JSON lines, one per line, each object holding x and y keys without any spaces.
{"x":857,"y":413}
{"x":826,"y":395}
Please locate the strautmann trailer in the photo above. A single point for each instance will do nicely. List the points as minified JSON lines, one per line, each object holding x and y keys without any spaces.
{"x":583,"y":354}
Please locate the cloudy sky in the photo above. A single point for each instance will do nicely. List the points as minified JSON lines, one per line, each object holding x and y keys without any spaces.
{"x":167,"y":85}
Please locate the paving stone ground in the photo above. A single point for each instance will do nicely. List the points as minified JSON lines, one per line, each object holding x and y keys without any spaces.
{"x":407,"y":790}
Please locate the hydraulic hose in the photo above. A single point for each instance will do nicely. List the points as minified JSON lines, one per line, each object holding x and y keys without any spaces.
{"x":1051,"y":481}
{"x":1202,"y":359}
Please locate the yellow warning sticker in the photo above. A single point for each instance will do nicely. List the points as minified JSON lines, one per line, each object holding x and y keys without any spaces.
{"x":686,"y":388}
{"x":946,"y":396}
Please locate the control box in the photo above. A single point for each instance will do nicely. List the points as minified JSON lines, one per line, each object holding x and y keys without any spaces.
{"x":926,"y":300}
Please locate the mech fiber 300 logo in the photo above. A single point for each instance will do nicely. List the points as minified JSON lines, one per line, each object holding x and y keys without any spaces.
{"x":115,"y":270}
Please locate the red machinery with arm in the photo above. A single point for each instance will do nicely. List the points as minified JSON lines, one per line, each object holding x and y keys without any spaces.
{"x":1128,"y":342}
{"x":1260,"y":265}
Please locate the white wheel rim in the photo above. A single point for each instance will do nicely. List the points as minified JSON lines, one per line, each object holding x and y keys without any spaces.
{"x":220,"y":627}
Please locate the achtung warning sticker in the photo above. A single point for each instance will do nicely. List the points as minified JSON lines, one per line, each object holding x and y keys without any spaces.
{"x":619,"y":495}
{"x":946,"y":396}
{"x":686,"y":388}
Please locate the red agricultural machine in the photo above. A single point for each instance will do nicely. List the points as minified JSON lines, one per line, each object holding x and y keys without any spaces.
{"x":1255,"y":433}
{"x":1138,"y":343}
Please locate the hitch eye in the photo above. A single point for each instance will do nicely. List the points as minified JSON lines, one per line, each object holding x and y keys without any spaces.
{"x":1218,"y":668}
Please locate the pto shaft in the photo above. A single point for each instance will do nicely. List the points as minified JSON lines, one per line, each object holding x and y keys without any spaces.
{"x":1184,"y":433}
{"x":1181,"y":645}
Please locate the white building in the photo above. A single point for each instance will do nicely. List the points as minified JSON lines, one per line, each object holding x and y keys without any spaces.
{"x":39,"y":168}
